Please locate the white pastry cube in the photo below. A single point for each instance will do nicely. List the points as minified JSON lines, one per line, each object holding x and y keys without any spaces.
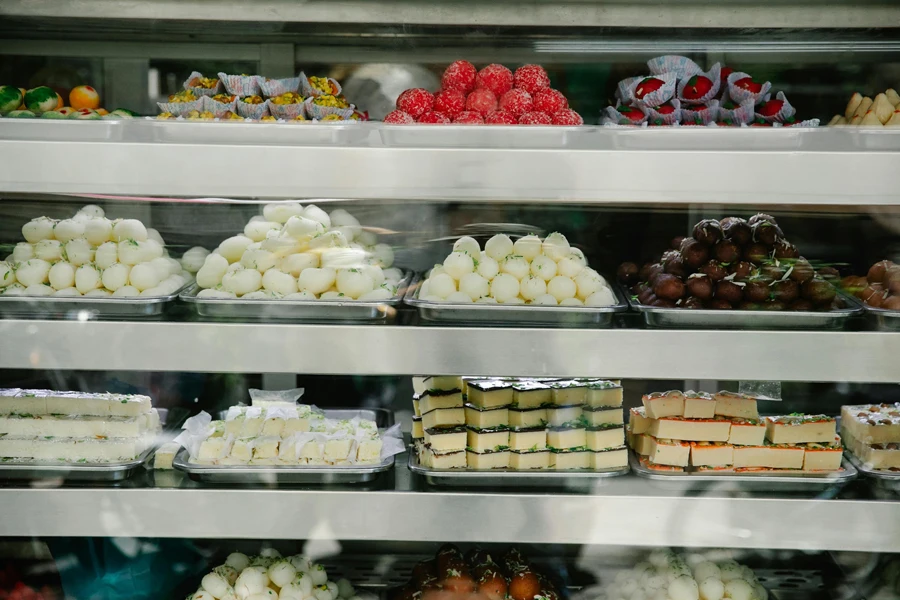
{"x":273,"y":427}
{"x":234,"y":426}
{"x":486,"y":419}
{"x":564,"y":461}
{"x":530,"y":394}
{"x":729,"y":404}
{"x":566,"y":438}
{"x":664,"y":404}
{"x":528,"y":440}
{"x":669,"y":452}
{"x":213,"y":448}
{"x":295,"y":425}
{"x":527,"y":461}
{"x":604,"y":394}
{"x":609,"y":459}
{"x":252,"y":426}
{"x":265,"y":447}
{"x":528,"y":418}
{"x":603,"y":416}
{"x":568,"y":393}
{"x":557,"y":416}
{"x":242,"y":450}
{"x":337,"y":450}
{"x":487,"y":460}
{"x":602,"y":438}
{"x":369,"y":451}
{"x":312,"y":451}
{"x":123,"y":405}
{"x":638,"y":421}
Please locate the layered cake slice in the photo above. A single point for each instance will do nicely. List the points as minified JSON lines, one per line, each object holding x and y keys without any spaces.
{"x":598,"y":416}
{"x":431,"y":400}
{"x":530,"y":394}
{"x":604,"y":394}
{"x":612,"y":458}
{"x":699,"y":405}
{"x":523,"y":440}
{"x":692,"y":430}
{"x":800,"y":429}
{"x":769,"y":456}
{"x":529,"y":460}
{"x":673,"y":453}
{"x":747,"y":432}
{"x":663,"y":404}
{"x":711,"y":454}
{"x":489,"y":393}
{"x":730,"y":404}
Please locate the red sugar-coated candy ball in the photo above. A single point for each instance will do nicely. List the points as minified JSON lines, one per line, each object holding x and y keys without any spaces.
{"x":450,"y":102}
{"x":567,"y":117}
{"x":535,"y":118}
{"x":517,"y":102}
{"x":482,"y":101}
{"x":550,"y":101}
{"x":460,"y":75}
{"x":469,"y":118}
{"x":433,"y":117}
{"x":415,"y":101}
{"x":496,"y":78}
{"x":398,"y":117}
{"x":500,"y":117}
{"x":531,"y":78}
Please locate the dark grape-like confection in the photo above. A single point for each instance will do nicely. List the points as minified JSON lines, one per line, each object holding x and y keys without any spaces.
{"x":694,"y":253}
{"x":741,"y":270}
{"x":766,"y":233}
{"x":714,"y":270}
{"x":786,"y":291}
{"x":729,"y":291}
{"x":785,"y":249}
{"x":802,"y":271}
{"x":674,"y":265}
{"x":757,"y":290}
{"x":818,"y":291}
{"x":700,"y":286}
{"x":727,"y":251}
{"x":668,"y":287}
{"x":627,"y":273}
{"x":760,"y":218}
{"x":736,"y":229}
{"x":756,"y":253}
{"x":707,"y":231}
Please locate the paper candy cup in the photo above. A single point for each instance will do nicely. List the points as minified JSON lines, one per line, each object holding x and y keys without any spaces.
{"x":276,"y":87}
{"x":201,"y":91}
{"x":660,"y":96}
{"x":739,"y":95}
{"x":682,"y":66}
{"x":714,"y":75}
{"x":308,"y":90}
{"x":218,"y":108}
{"x":625,"y":89}
{"x":613,"y":117}
{"x":240,"y":85}
{"x":317,"y":112}
{"x":742,"y":115}
{"x":286,"y":111}
{"x":180,"y":109}
{"x":787,"y":111}
{"x":252,"y":111}
{"x":657,"y":119}
{"x":700,"y":117}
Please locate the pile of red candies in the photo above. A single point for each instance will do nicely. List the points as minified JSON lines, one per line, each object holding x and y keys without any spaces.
{"x":492,"y":96}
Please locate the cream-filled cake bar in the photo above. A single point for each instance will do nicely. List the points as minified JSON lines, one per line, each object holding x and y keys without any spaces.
{"x":565,"y":460}
{"x":418,"y":430}
{"x":768,"y":456}
{"x":611,"y":458}
{"x":605,"y":437}
{"x":663,"y":404}
{"x":444,"y":417}
{"x":819,"y":456}
{"x":523,"y":440}
{"x":486,"y":418}
{"x":638,"y":421}
{"x":528,"y":418}
{"x":568,"y":392}
{"x":730,"y":404}
{"x":446,"y":439}
{"x":529,"y":460}
{"x":79,"y":450}
{"x":560,"y":416}
{"x":434,"y":399}
{"x":597,"y":416}
{"x":28,"y":402}
{"x":530,"y":394}
{"x":711,"y":454}
{"x":747,"y":432}
{"x":487,"y":440}
{"x":498,"y":459}
{"x":674,"y":453}
{"x":800,"y":429}
{"x":562,"y":438}
{"x":604,"y":394}
{"x":489,"y":393}
{"x":447,"y":460}
{"x":699,"y":405}
{"x":691,"y":430}
{"x":442,"y":382}
{"x":872,"y":423}
{"x":79,"y":426}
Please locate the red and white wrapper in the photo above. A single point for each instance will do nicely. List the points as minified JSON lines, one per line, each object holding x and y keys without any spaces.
{"x":241,"y":85}
{"x":740,"y":95}
{"x":657,"y":119}
{"x":714,"y":75}
{"x":660,"y":96}
{"x":682,"y":66}
{"x":181,"y":109}
{"x":308,"y":90}
{"x":201,"y":91}
{"x":625,"y":89}
{"x":218,"y":108}
{"x":787,"y":111}
{"x":742,"y":115}
{"x":611,"y":116}
{"x":694,"y":115}
{"x":252,"y":111}
{"x":276,"y":87}
{"x":320,"y":112}
{"x":286,"y":111}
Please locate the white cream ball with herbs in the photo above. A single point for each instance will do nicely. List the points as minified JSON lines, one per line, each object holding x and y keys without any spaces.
{"x":499,"y":247}
{"x":458,"y":264}
{"x":467,"y":244}
{"x":38,"y":229}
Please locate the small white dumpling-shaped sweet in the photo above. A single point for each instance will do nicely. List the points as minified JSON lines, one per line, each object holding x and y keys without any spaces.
{"x":729,"y":570}
{"x":705,"y":570}
{"x":62,"y":275}
{"x":242,"y":281}
{"x":40,"y":289}
{"x":684,"y":588}
{"x":216,"y":263}
{"x":528,"y":246}
{"x":303,"y":565}
{"x":129,"y":229}
{"x":531,"y":287}
{"x":129,"y":252}
{"x":304,"y":295}
{"x":280,"y":212}
{"x":252,"y":580}
{"x":316,"y":280}
{"x":459,"y":298}
{"x":515,"y":265}
{"x":333,"y":588}
{"x":345,"y":589}
{"x":68,"y":229}
{"x":208,"y":277}
{"x":486,"y":300}
{"x":347,"y":222}
{"x":116,"y":277}
{"x":468,"y":245}
{"x":302,"y":228}
{"x":571,"y":302}
{"x":257,"y":230}
{"x":193,"y":259}
{"x":317,"y":214}
{"x":344,"y":258}
{"x":238,"y":560}
{"x":216,"y":585}
{"x":106,"y":255}
{"x":92,"y":210}
{"x":150,"y":249}
{"x":561,"y":288}
{"x":577,"y":255}
{"x":321,"y":592}
{"x":458,"y":264}
{"x":171,"y":284}
{"x":38,"y":229}
{"x":233,"y":248}
{"x":441,"y":285}
{"x":738,"y":589}
{"x":87,"y":278}
{"x":569,"y":266}
{"x":33,"y":272}
{"x":98,"y":230}
{"x":499,"y":247}
{"x":383,"y":255}
{"x":69,"y":292}
{"x":378,"y":294}
{"x":297,"y":263}
{"x":436,"y":270}
{"x":760,"y":591}
{"x":282,"y":572}
{"x":16,"y":289}
{"x":294,"y":591}
{"x":487,"y":267}
{"x":165,"y":266}
{"x":79,"y":252}
{"x":143,"y":276}
{"x":149,"y":292}
{"x":712,"y":588}
{"x":543,"y":267}
{"x":329,"y":239}
{"x":366,"y":238}
{"x":588,"y":282}
{"x":210,"y":293}
{"x":546,"y":299}
{"x":354,"y":283}
{"x":474,"y":285}
{"x":259,"y":259}
{"x":515,"y":300}
{"x":49,"y":250}
{"x":279,"y":282}
{"x":154,"y":235}
{"x":202,"y":595}
{"x":504,"y":287}
{"x":603,"y":297}
{"x":393,"y":274}
{"x":128,"y":291}
{"x":375,"y":272}
{"x":555,"y":246}
{"x":22,"y":252}
{"x":8,"y":276}
{"x":319,"y":575}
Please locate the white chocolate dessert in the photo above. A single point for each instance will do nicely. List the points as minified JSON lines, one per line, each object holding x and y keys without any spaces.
{"x":871,"y":423}
{"x":569,"y":393}
{"x":612,"y":458}
{"x":599,"y":416}
{"x":800,"y":429}
{"x":564,"y":438}
{"x":530,"y":394}
{"x":489,"y":393}
{"x":604,"y":394}
{"x":444,"y":417}
{"x":430,"y":400}
{"x":442,"y":382}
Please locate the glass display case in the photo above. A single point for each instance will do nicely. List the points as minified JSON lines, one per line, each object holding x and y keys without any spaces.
{"x":450,"y":300}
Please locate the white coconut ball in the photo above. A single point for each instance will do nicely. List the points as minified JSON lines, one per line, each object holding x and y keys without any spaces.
{"x":329,"y":239}
{"x":528,"y":246}
{"x":154,"y":235}
{"x":293,"y":591}
{"x":297,"y":263}
{"x":216,"y":585}
{"x":569,"y":266}
{"x":257,"y":230}
{"x":38,"y":229}
{"x":33,"y":272}
{"x":712,"y":588}
{"x":98,"y":231}
{"x":458,"y":264}
{"x":546,"y":299}
{"x":143,"y":276}
{"x":106,"y":255}
{"x":129,"y":252}
{"x":61,"y":275}
{"x":555,"y":246}
{"x":299,"y":227}
{"x":543,"y":267}
{"x":92,"y":210}
{"x":282,"y":572}
{"x":317,"y":214}
{"x":531,"y":287}
{"x":259,"y":259}
{"x":242,"y":281}
{"x":318,"y":574}
{"x":49,"y":250}
{"x":561,"y":288}
{"x":705,"y":570}
{"x":515,"y":265}
{"x":375,"y":272}
{"x":210,"y":275}
{"x":79,"y":252}
{"x":604,"y":297}
{"x":68,"y":229}
{"x":39,"y":290}
{"x":684,"y":588}
{"x":193,"y":259}
{"x":201,"y":294}
{"x":354,"y":283}
{"x":729,"y":570}
{"x":589,"y":282}
{"x":487,"y":267}
{"x":499,"y":247}
{"x":87,"y":278}
{"x":128,"y":229}
{"x":69,"y":292}
{"x":252,"y":580}
{"x":233,"y":248}
{"x":302,"y":564}
{"x":393,"y":274}
{"x":164,"y":268}
{"x":8,"y":276}
{"x":280,"y":212}
{"x":279,"y":282}
{"x":316,"y":280}
{"x":474,"y":285}
{"x":738,"y":589}
{"x":22,"y":252}
{"x":441,"y":285}
{"x":15,"y":289}
{"x":504,"y":287}
{"x":468,"y":245}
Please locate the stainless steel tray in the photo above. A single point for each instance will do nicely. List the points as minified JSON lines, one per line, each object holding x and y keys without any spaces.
{"x":289,"y":474}
{"x":317,"y":311}
{"x":502,"y":478}
{"x":885,"y":479}
{"x":517,"y":315}
{"x":231,"y":132}
{"x":63,"y":130}
{"x":86,"y":308}
{"x":887,"y":320}
{"x":493,"y":136}
{"x":773,"y":482}
{"x":44,"y":469}
{"x":744,"y":319}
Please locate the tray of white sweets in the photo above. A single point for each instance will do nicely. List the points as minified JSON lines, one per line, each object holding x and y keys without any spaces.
{"x":289,"y":444}
{"x":83,"y":436}
{"x":871,"y":434}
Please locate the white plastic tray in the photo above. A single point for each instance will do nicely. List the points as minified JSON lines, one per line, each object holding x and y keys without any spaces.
{"x":63,"y":130}
{"x":340,"y":133}
{"x":484,"y":136}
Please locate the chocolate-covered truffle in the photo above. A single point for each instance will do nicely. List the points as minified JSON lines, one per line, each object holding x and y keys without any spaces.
{"x":761,"y":217}
{"x":668,"y":287}
{"x":714,"y":270}
{"x":700,"y":286}
{"x":729,"y":291}
{"x":785,"y":249}
{"x":766,"y":233}
{"x":694,"y":253}
{"x":707,"y":231}
{"x":735,"y":229}
{"x":726,"y":251}
{"x":627,"y":273}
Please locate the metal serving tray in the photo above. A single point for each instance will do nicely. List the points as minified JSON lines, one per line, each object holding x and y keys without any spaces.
{"x":887,"y":320}
{"x":502,"y":478}
{"x":231,"y":132}
{"x":317,"y":311}
{"x":494,"y":136}
{"x":518,"y":315}
{"x":63,"y":130}
{"x":885,"y":479}
{"x":772,"y":482}
{"x":289,"y":474}
{"x":75,"y":308}
{"x":744,"y":319}
{"x":714,"y":138}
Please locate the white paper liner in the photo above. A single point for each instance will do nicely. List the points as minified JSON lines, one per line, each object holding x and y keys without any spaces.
{"x":742,"y":115}
{"x":739,"y":95}
{"x":682,"y":66}
{"x":625,"y":89}
{"x":660,"y":96}
{"x":252,"y":111}
{"x":241,"y":85}
{"x":201,"y":91}
{"x":320,"y":112}
{"x":309,"y":91}
{"x":706,"y":116}
{"x":787,"y":111}
{"x":266,"y":397}
{"x":611,"y":116}
{"x":286,"y":111}
{"x":654,"y":118}
{"x":276,"y":87}
{"x":714,"y":75}
{"x":218,"y":108}
{"x":180,"y":109}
